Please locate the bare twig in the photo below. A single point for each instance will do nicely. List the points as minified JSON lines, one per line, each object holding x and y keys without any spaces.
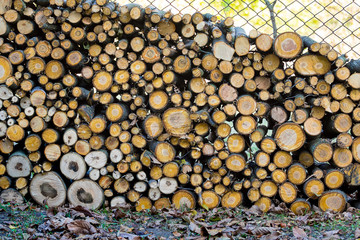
{"x":270,"y":6}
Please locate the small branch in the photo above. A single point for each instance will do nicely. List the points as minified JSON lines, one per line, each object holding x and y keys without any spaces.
{"x":270,"y":6}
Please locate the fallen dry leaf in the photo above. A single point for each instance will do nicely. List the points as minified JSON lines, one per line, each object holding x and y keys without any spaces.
{"x":123,"y":235}
{"x":299,"y":233}
{"x":254,"y":210}
{"x":357,"y":233}
{"x":214,"y":232}
{"x":177,"y":234}
{"x":4,"y":228}
{"x":194,"y":228}
{"x":81,"y":227}
{"x":272,"y":236}
{"x":330,"y":233}
{"x":262,"y":230}
{"x":59,"y":221}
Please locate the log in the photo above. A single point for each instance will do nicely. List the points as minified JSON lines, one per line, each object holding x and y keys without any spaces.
{"x":11,"y":195}
{"x":290,"y":137}
{"x":72,"y":166}
{"x":288,"y":45}
{"x":48,"y":189}
{"x":18,"y":165}
{"x":85,"y":192}
{"x":334,"y":200}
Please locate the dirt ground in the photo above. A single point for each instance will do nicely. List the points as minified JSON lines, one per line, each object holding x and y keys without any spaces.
{"x":33,"y":222}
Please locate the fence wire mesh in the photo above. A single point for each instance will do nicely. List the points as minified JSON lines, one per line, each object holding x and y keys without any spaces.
{"x":335,"y":22}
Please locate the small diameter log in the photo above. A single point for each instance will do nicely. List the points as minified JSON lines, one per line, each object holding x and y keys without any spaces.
{"x":164,"y":152}
{"x":209,"y":199}
{"x":48,"y":189}
{"x":73,"y":166}
{"x":321,"y":149}
{"x":96,"y":159}
{"x":290,"y":137}
{"x":300,"y":206}
{"x":153,"y":126}
{"x":334,"y":179}
{"x":168,"y":185}
{"x":183,"y":199}
{"x":18,"y":165}
{"x":85,"y":193}
{"x":296,"y":174}
{"x":287,"y":192}
{"x":313,"y":188}
{"x":231,"y":199}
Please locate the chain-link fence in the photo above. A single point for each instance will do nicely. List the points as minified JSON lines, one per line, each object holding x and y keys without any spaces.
{"x":336,"y":22}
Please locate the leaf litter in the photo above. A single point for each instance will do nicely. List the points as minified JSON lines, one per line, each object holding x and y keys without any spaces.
{"x":33,"y":222}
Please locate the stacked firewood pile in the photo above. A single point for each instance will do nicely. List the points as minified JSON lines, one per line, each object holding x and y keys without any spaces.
{"x":104,"y":103}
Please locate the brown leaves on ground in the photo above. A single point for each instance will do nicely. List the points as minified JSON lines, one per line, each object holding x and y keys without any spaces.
{"x":299,"y":233}
{"x":122,"y":223}
{"x":81,"y":227}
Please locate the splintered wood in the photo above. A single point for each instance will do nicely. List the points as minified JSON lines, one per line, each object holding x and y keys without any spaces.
{"x":103,"y":104}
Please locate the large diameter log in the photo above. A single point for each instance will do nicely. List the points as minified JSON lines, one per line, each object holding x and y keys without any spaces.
{"x":48,"y":189}
{"x":86,"y":193}
{"x":311,"y":65}
{"x":296,"y":174}
{"x":264,"y":203}
{"x":290,"y":137}
{"x":158,"y":100}
{"x":102,"y":81}
{"x":116,"y":112}
{"x":288,"y":45}
{"x":356,"y":149}
{"x":313,"y":188}
{"x":334,"y":200}
{"x":177,"y":121}
{"x":25,"y":26}
{"x":242,"y":45}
